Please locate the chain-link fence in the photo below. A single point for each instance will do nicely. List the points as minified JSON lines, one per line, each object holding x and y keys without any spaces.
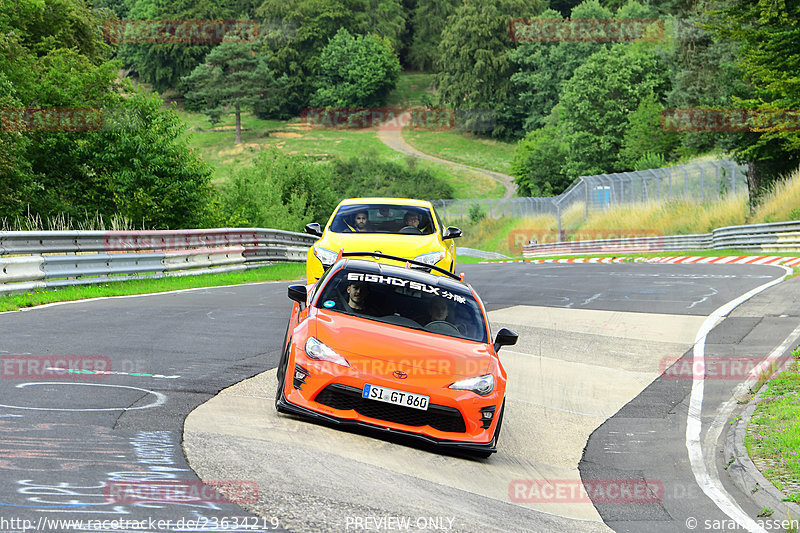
{"x":700,"y":182}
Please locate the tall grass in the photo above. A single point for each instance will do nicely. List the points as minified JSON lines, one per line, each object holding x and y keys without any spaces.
{"x":64,"y":222}
{"x":675,"y":217}
{"x":503,"y":235}
{"x":781,"y":202}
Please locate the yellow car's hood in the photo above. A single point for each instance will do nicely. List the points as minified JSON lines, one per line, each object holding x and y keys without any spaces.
{"x":402,"y":245}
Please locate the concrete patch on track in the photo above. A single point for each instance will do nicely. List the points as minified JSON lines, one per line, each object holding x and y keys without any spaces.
{"x":556,"y":397}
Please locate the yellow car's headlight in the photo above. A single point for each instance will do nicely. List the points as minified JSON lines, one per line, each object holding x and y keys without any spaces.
{"x":431,"y":258}
{"x":326,"y":257}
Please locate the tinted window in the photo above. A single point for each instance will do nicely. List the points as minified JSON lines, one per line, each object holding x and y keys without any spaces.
{"x":399,"y":219}
{"x":404,"y":302}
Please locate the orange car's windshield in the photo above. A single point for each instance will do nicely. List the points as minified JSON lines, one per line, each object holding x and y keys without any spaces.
{"x":444,"y":308}
{"x":383,"y":218}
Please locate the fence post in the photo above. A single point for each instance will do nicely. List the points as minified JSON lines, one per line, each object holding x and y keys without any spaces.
{"x":558,"y":216}
{"x":669,"y":175}
{"x":586,"y":195}
{"x":685,"y":182}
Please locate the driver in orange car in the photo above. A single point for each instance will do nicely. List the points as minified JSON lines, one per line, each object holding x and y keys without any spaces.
{"x":358,"y":301}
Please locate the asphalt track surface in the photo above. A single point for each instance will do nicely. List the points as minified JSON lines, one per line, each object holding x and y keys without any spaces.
{"x":71,"y":443}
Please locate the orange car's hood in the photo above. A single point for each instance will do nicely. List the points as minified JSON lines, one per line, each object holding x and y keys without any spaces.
{"x":408,"y":246}
{"x":375,"y":346}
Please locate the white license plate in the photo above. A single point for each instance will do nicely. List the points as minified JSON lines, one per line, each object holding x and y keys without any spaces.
{"x":396,"y":397}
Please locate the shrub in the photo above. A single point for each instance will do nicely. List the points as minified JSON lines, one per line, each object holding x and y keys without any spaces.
{"x":368,"y":175}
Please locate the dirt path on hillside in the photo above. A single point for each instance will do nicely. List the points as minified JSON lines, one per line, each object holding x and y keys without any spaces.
{"x":392,"y":136}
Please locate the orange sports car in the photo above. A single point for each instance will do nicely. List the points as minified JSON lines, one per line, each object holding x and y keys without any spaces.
{"x":379,"y":345}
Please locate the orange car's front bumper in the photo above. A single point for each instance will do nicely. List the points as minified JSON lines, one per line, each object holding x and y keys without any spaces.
{"x":454,"y":418}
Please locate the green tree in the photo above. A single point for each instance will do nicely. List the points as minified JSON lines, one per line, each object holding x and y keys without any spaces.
{"x":428,"y":22}
{"x":597,"y":100}
{"x":635,"y":10}
{"x":474,"y":66}
{"x":136,"y":164}
{"x":163,"y":64}
{"x":370,"y":175}
{"x":313,"y":24}
{"x":769,"y":56}
{"x":45,"y":26}
{"x":704,"y":74}
{"x":232,"y":76}
{"x":356,"y":71}
{"x":644,"y":134}
{"x":385,"y":18}
{"x":64,"y":78}
{"x":279,"y":191}
{"x":543,"y":67}
{"x":144,"y":167}
{"x":538,"y":163}
{"x":16,"y":179}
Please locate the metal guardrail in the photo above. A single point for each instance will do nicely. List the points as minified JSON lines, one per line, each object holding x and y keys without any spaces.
{"x":42,"y":259}
{"x":776,"y":237}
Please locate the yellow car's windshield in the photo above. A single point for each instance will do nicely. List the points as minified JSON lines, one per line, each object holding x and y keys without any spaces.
{"x":383,"y":218}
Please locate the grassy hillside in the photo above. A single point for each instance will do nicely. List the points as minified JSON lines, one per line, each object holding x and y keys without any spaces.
{"x":216,"y":144}
{"x":463,"y":147}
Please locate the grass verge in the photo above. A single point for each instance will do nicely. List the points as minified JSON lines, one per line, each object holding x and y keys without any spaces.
{"x":773,"y":436}
{"x":276,"y":272}
{"x":464,"y":148}
{"x":413,"y":89}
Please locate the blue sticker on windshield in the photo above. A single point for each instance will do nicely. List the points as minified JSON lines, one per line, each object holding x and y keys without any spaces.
{"x":329,"y":303}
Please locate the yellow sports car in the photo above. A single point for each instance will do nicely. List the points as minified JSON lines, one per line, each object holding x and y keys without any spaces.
{"x":401,"y":227}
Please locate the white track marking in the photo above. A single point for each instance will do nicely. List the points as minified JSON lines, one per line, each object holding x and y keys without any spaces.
{"x":160,"y":398}
{"x":709,"y":481}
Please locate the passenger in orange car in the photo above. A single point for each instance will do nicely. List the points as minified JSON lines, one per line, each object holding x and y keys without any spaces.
{"x":439,"y":309}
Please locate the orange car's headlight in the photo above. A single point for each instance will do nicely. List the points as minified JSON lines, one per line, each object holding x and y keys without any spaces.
{"x":481,"y":385}
{"x":320,"y":351}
